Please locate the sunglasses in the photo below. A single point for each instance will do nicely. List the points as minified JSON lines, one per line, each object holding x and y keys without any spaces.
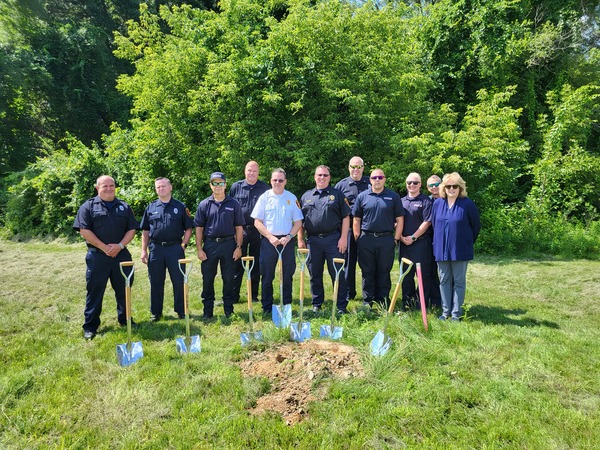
{"x":277,"y":180}
{"x":356,"y":167}
{"x":377,"y":177}
{"x":452,"y":186}
{"x":413,"y":182}
{"x":434,"y":184}
{"x":217,"y":183}
{"x":321,"y":175}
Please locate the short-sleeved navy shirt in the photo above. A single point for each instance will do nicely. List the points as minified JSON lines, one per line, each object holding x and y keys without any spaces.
{"x":108,"y":224}
{"x":323,"y":211}
{"x":166,"y":222}
{"x":351,"y":188}
{"x":378,"y":212}
{"x":219,"y":219}
{"x":416,"y":211}
{"x":247,"y":196}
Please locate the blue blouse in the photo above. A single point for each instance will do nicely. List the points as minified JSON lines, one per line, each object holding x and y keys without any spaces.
{"x":455,"y":229}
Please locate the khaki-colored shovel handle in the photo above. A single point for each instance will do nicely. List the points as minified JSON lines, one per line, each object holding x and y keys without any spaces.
{"x":126,"y":263}
{"x":184,"y":261}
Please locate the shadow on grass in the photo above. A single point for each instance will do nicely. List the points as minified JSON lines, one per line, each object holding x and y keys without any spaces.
{"x":502,"y":316}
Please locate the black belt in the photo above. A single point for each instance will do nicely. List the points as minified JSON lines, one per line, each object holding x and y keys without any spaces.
{"x":322,"y":235}
{"x":279,"y":236}
{"x":165,"y":243}
{"x":220,"y":239}
{"x":249,"y":227}
{"x":91,"y":248}
{"x":376,"y":234}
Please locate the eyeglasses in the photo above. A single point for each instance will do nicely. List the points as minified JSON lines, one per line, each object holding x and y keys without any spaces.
{"x":377,"y":177}
{"x":434,"y":184}
{"x":413,"y":182}
{"x":277,"y":180}
{"x":356,"y":167}
{"x":322,"y":175}
{"x":217,"y":183}
{"x":452,"y":186}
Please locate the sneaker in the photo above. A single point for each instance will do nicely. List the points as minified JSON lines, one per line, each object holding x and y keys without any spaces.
{"x":455,"y":319}
{"x":316,"y":308}
{"x":155,"y":317}
{"x":341,"y":311}
{"x":89,"y":335}
{"x":443,"y":317}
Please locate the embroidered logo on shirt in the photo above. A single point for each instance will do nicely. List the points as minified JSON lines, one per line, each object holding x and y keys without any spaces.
{"x":121,"y":208}
{"x":387,"y":198}
{"x":175,"y":210}
{"x":228,"y":208}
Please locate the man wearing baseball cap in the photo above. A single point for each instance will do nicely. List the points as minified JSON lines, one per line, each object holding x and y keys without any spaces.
{"x":219,"y":233}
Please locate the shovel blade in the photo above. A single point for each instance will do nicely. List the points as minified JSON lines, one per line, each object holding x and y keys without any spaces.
{"x":194,"y":346}
{"x":300,"y":334}
{"x":281,"y":319}
{"x":127,"y":357}
{"x":380,"y":344}
{"x":328,"y":332}
{"x":251,"y":336}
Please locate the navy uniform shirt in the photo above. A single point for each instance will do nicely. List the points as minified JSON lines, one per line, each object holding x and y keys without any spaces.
{"x":219,"y":219}
{"x":351,"y":188}
{"x":416,"y":211}
{"x":378,"y":212}
{"x":323,"y":211}
{"x":108,"y":224}
{"x":247,"y":196}
{"x":166,"y":222}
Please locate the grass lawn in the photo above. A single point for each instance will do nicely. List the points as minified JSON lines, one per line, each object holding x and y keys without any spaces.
{"x":523,"y":371}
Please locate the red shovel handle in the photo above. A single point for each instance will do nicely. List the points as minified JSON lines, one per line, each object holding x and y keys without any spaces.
{"x":422,"y":296}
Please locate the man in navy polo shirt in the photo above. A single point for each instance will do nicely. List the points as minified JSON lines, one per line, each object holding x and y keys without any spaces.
{"x":219,"y":233}
{"x":415,"y":243}
{"x":107,"y":224}
{"x":326,"y":222}
{"x":247,"y":192}
{"x":352,"y":186}
{"x":166,"y":230}
{"x":378,"y":223}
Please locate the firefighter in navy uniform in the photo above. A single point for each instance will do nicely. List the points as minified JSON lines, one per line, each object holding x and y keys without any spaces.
{"x":247,"y":192}
{"x":166,"y":230}
{"x":107,"y":224}
{"x":326,"y":222}
{"x":352,"y":186}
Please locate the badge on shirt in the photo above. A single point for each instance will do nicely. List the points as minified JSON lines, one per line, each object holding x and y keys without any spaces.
{"x":332,"y":197}
{"x":175,"y":210}
{"x":121,"y":208}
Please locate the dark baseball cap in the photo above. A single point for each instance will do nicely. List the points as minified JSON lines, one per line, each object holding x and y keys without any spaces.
{"x":217,"y":175}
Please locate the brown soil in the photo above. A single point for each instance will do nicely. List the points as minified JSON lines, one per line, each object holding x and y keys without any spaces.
{"x":298,"y":373}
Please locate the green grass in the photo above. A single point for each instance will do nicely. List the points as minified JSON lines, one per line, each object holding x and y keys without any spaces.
{"x":520,"y":372}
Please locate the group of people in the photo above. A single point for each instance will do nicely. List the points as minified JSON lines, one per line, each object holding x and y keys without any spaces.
{"x":358,"y":219}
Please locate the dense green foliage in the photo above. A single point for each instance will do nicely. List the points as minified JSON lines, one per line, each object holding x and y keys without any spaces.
{"x":504,"y":92}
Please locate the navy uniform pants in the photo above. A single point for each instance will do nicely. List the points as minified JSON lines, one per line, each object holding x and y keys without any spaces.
{"x":324,"y":249}
{"x":418,"y":252}
{"x":268,"y":267}
{"x":250,"y":247}
{"x":100,"y":269}
{"x":163,"y":258}
{"x":218,"y":253}
{"x":350,"y":269}
{"x":376,"y":259}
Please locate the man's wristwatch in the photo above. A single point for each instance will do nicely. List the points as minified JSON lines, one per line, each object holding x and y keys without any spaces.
{"x":291,"y":236}
{"x":413,"y":238}
{"x":121,"y":246}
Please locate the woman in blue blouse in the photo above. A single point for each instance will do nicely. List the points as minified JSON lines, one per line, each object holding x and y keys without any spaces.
{"x":456,"y":225}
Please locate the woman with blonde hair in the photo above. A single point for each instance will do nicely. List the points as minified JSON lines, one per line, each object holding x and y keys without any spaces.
{"x":456,"y":225}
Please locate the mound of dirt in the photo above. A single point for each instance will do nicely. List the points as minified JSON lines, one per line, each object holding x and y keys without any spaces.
{"x":293,"y":370}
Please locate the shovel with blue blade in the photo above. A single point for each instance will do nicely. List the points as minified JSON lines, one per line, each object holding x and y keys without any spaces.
{"x":188,"y":344}
{"x":281,"y":314}
{"x":249,"y":336}
{"x":300,"y":331}
{"x":129,"y":352}
{"x":381,"y":343}
{"x":331,"y":331}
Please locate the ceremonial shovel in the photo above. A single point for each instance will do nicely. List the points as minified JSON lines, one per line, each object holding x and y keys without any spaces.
{"x":282,"y":314}
{"x":189,"y":344}
{"x":249,"y":336}
{"x":331,"y":331}
{"x":300,"y":331}
{"x":129,"y":352}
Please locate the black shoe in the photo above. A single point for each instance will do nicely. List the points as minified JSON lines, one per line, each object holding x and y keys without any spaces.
{"x":366,"y":305}
{"x":207,"y":316}
{"x":181,"y":315}
{"x":133,"y":324}
{"x":342,"y":311}
{"x":89,"y":335}
{"x":316,"y":308}
{"x":155,"y":317}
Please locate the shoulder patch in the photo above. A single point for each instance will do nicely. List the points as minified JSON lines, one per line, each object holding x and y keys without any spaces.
{"x":297,"y":204}
{"x":347,"y":202}
{"x":187,"y":211}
